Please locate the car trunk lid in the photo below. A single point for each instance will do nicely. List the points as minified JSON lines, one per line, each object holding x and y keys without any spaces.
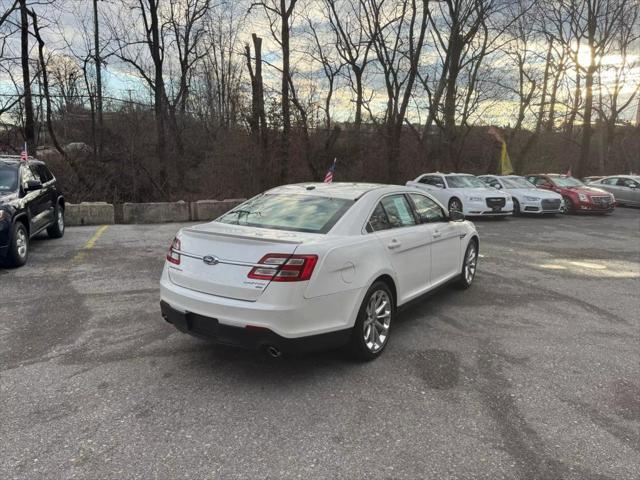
{"x":216,"y":258}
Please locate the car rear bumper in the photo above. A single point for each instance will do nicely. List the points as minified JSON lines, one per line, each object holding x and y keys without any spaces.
{"x":288,"y":316}
{"x":253,"y":338}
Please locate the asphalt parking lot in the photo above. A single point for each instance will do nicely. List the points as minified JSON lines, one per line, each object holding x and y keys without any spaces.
{"x":533,"y":373}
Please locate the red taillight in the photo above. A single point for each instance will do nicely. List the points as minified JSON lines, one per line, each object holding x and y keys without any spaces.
{"x":172,"y":255}
{"x":281,"y":267}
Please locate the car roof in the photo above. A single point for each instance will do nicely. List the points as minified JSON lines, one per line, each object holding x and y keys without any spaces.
{"x":15,"y":159}
{"x":348,"y":191}
{"x":633,"y":177}
{"x":449,"y":173}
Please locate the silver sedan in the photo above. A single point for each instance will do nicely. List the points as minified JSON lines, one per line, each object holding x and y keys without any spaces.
{"x":626,"y":188}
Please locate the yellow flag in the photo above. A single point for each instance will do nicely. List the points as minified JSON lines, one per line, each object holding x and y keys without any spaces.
{"x":505,"y":161}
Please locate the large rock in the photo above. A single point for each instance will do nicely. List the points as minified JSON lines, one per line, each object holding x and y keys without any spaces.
{"x":159,"y":212}
{"x":207,"y":210}
{"x":88,"y":213}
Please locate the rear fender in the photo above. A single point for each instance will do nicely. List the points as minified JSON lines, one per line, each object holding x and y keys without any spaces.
{"x":347,"y":266}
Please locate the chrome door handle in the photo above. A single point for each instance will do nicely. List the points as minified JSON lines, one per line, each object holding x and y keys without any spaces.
{"x":437,"y":234}
{"x":394,"y":244}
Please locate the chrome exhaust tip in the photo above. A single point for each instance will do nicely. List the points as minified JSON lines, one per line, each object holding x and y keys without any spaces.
{"x":274,"y":351}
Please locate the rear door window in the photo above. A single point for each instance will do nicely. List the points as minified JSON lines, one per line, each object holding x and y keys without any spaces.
{"x":610,"y":181}
{"x":378,"y":220}
{"x":42,"y":172}
{"x":25,"y":175}
{"x":627,"y":182}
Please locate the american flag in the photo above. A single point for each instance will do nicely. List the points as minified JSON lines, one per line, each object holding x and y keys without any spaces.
{"x":24,"y":155}
{"x":328,"y":178}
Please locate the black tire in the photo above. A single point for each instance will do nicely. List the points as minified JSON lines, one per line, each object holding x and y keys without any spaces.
{"x":516,"y":208}
{"x":455,"y":205}
{"x":56,"y":229}
{"x":364,"y":344}
{"x":18,"y":252}
{"x":568,"y":205}
{"x":469,"y":266}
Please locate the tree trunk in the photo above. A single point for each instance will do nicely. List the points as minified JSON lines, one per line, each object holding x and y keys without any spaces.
{"x":587,"y":130}
{"x":286,"y":117}
{"x":29,"y":123}
{"x":98,"y":63}
{"x":545,"y":81}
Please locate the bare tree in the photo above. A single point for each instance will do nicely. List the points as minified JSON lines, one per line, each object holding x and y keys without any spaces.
{"x":29,"y":120}
{"x":280,"y":13}
{"x":398,"y":31}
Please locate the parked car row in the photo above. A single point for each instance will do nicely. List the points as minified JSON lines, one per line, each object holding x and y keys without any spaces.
{"x":503,"y":195}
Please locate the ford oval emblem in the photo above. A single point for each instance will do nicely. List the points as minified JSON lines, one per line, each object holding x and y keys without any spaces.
{"x":210,"y":260}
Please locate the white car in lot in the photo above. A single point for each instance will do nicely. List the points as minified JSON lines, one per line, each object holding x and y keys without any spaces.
{"x":310,"y":266}
{"x":526,"y":197}
{"x":465,"y":193}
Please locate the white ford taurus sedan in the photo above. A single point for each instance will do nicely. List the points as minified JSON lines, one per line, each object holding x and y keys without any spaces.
{"x":311,"y":266}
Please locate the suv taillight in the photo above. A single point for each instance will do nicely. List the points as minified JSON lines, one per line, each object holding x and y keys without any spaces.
{"x":281,"y":267}
{"x":172,"y":255}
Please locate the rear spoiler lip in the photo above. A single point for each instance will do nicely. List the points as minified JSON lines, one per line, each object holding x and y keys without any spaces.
{"x":247,"y":237}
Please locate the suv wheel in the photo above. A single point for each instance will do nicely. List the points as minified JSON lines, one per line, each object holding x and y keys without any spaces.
{"x":56,"y":230}
{"x":371,"y":332}
{"x":19,"y":247}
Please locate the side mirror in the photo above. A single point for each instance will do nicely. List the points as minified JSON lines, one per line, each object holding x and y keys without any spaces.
{"x":456,"y":216}
{"x":497,"y":186}
{"x":33,"y":185}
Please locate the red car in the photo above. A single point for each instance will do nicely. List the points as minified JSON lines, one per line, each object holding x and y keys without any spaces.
{"x":578,"y":197}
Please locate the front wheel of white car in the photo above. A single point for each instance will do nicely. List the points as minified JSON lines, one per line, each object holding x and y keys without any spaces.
{"x":455,"y":205}
{"x":373,"y":325}
{"x":469,"y":265}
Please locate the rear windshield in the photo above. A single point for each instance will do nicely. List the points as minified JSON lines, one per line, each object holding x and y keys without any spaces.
{"x":296,"y":213}
{"x":8,"y":178}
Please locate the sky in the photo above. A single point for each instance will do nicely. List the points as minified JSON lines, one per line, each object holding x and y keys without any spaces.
{"x":65,"y":28}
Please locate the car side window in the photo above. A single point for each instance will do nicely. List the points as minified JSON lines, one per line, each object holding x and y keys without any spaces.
{"x":428,"y":211}
{"x":492,"y":182}
{"x":438,"y":182}
{"x":25,"y":175}
{"x":378,"y":220}
{"x":539,"y":181}
{"x":398,"y":211}
{"x":42,"y":172}
{"x":38,"y":173}
{"x":432,"y":180}
{"x":611,"y":181}
{"x":627,"y":182}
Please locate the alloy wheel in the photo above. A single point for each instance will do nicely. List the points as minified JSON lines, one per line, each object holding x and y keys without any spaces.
{"x":378,"y":320}
{"x":60,"y":220}
{"x":470,"y":264}
{"x":21,"y":243}
{"x":455,"y":205}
